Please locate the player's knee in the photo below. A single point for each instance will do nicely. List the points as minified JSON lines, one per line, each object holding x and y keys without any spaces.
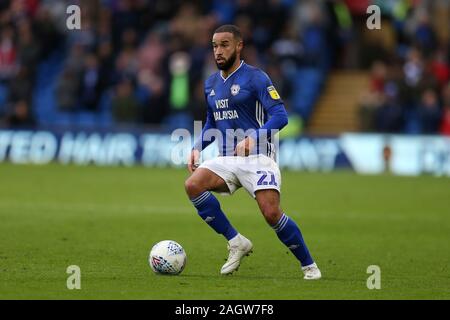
{"x":192,"y":188}
{"x":272,"y":215}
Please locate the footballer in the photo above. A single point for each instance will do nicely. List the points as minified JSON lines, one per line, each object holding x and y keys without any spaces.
{"x":244,"y":111}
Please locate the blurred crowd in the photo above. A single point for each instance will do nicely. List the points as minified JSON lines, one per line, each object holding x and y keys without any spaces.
{"x":410,"y":72}
{"x":143,"y":62}
{"x":27,"y":36}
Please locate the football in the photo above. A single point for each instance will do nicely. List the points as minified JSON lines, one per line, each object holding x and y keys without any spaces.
{"x":167,"y":257}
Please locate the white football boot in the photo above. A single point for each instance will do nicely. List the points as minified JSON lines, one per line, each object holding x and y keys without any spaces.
{"x":238,"y":248}
{"x":311,"y":272}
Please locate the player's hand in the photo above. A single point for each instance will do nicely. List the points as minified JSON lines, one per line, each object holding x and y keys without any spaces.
{"x":244,"y":147}
{"x":193,"y":160}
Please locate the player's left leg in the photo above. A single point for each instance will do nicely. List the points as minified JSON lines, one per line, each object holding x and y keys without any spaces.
{"x":287,"y":230}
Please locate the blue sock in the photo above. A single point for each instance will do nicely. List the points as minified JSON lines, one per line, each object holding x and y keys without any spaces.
{"x":208,"y":208}
{"x":289,"y":233}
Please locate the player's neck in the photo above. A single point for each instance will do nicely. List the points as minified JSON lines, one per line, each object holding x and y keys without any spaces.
{"x":233,"y":68}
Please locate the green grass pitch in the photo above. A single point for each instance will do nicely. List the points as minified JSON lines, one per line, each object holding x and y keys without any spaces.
{"x":105,"y":220}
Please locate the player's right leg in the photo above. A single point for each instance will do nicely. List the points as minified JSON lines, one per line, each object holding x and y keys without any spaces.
{"x":198,"y":187}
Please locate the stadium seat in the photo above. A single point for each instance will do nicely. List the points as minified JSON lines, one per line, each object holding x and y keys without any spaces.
{"x":3,"y":98}
{"x":307,"y":85}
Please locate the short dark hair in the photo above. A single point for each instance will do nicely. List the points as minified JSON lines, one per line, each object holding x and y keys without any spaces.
{"x":231,"y":29}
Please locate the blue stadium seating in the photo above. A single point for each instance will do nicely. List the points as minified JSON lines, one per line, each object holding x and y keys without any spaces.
{"x":45,"y":105}
{"x":307,"y":85}
{"x":3,"y":98}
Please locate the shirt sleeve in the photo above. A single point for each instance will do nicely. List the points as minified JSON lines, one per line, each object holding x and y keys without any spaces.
{"x":277,"y":121}
{"x":272,"y":103}
{"x":265,"y":90}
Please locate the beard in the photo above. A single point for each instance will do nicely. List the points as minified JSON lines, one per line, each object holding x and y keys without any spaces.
{"x":228,"y":63}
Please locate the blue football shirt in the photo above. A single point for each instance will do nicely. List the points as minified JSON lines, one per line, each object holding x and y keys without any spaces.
{"x":240,"y":102}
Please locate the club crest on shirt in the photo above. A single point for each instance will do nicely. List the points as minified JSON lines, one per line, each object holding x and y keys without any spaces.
{"x":235,"y":89}
{"x":273,"y":93}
